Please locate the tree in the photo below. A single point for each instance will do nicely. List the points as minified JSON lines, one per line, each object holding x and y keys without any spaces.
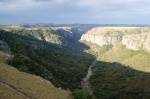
{"x":81,"y":94}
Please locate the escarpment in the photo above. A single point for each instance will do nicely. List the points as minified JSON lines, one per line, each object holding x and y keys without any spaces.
{"x":134,"y":38}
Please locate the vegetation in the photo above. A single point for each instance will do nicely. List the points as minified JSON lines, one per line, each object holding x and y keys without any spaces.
{"x":115,"y":81}
{"x":81,"y":94}
{"x":121,"y":73}
{"x":20,"y":85}
{"x":63,"y":66}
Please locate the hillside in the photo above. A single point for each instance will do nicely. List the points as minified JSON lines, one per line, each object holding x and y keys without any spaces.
{"x":63,"y":64}
{"x":120,"y":71}
{"x":19,"y":85}
{"x":122,"y":67}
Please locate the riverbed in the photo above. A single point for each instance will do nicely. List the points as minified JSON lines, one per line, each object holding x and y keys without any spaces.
{"x":85,"y":81}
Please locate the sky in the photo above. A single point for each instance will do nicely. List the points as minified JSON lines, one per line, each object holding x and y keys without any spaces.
{"x":75,"y":11}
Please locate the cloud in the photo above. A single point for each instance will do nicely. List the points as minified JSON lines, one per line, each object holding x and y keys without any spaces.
{"x":76,"y":10}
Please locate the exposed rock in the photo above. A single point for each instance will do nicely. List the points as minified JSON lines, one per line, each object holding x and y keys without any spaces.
{"x":69,"y":33}
{"x":146,"y":44}
{"x":134,"y":38}
{"x":134,"y":41}
{"x":103,"y":36}
{"x":102,"y":40}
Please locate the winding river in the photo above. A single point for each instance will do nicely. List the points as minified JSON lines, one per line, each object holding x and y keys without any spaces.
{"x":85,"y":82}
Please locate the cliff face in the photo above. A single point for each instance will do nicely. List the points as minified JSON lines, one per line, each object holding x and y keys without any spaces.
{"x":60,"y":36}
{"x":69,"y":33}
{"x":134,"y":38}
{"x":102,"y":40}
{"x":137,"y":41}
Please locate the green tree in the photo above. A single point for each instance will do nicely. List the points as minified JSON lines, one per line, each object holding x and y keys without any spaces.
{"x":81,"y":94}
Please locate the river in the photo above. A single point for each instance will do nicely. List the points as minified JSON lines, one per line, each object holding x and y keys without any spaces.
{"x":85,"y":82}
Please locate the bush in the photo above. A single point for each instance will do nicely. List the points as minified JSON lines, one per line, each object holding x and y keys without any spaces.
{"x":81,"y":94}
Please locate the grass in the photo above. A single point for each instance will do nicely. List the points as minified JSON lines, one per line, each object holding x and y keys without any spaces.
{"x":118,"y":53}
{"x":138,"y":60}
{"x":30,"y":85}
{"x":8,"y":93}
{"x":121,"y":73}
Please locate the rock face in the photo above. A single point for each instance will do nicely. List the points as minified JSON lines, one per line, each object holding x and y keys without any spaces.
{"x":102,"y":40}
{"x":134,"y":38}
{"x":48,"y":35}
{"x":59,"y":35}
{"x":69,"y":33}
{"x":102,"y":36}
{"x":136,"y":41}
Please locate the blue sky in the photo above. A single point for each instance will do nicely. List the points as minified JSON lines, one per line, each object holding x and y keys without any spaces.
{"x":75,"y":11}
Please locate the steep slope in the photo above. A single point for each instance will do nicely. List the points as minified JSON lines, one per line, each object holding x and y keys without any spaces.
{"x":122,"y":68}
{"x":133,"y":37}
{"x":69,"y":33}
{"x":63,"y":65}
{"x":19,"y":85}
{"x":121,"y":73}
{"x":138,"y":60}
{"x":47,"y":35}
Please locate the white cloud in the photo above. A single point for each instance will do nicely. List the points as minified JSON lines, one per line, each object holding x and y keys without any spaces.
{"x":87,"y":9}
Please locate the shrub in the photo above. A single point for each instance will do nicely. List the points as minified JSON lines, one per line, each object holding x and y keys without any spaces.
{"x":81,"y":94}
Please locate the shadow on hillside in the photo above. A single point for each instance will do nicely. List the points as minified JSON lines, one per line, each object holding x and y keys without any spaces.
{"x":116,"y":81}
{"x":34,"y":42}
{"x":5,"y":48}
{"x":64,"y":66}
{"x":67,"y":65}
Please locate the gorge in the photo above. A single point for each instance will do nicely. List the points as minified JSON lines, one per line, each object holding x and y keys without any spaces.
{"x":110,"y":61}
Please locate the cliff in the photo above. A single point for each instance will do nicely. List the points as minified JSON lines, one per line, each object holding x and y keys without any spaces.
{"x":134,"y":38}
{"x":69,"y":33}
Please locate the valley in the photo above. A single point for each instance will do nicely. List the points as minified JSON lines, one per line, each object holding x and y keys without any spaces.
{"x":85,"y":81}
{"x":111,"y":62}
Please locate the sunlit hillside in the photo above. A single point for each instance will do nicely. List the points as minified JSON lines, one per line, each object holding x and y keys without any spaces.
{"x":19,"y":85}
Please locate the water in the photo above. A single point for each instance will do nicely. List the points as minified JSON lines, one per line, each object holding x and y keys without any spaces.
{"x":85,"y":83}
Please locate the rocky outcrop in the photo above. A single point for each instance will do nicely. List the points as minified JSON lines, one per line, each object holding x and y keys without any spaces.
{"x":48,"y":35}
{"x":60,"y":35}
{"x":102,"y":40}
{"x":103,"y":36}
{"x":69,"y":33}
{"x":134,"y":38}
{"x":134,"y":41}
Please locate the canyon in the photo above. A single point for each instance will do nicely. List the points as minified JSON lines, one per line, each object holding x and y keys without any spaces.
{"x":107,"y":61}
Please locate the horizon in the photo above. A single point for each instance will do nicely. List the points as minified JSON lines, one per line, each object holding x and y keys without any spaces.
{"x":70,"y":24}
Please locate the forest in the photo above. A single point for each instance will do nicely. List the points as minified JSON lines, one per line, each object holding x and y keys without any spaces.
{"x":63,"y":66}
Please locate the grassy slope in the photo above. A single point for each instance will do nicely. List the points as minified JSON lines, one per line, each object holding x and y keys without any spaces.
{"x":121,"y":73}
{"x":138,"y":60}
{"x":19,"y":85}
